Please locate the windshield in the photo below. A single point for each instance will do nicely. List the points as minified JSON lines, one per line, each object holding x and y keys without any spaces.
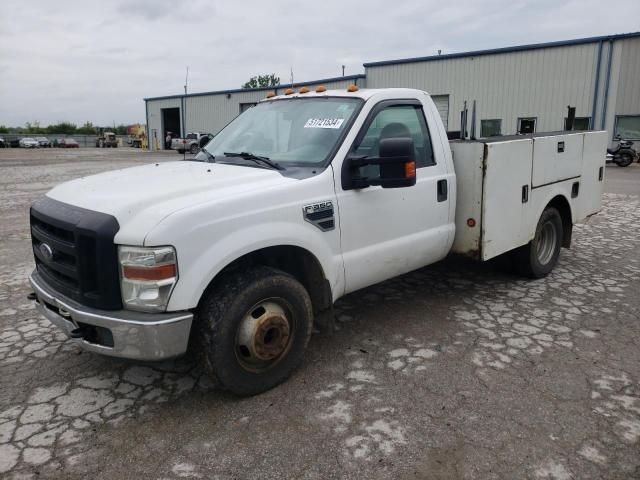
{"x":296,"y":131}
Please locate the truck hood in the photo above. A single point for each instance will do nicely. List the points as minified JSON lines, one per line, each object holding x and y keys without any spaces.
{"x":140,"y":197}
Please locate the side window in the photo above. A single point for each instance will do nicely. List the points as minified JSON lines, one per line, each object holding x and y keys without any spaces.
{"x":398,"y":121}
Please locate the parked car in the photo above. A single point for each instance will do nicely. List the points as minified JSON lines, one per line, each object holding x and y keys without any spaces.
{"x":67,"y":143}
{"x":267,"y":227}
{"x":44,"y":142}
{"x":14,"y":143}
{"x":28,"y":142}
{"x":3,"y":144}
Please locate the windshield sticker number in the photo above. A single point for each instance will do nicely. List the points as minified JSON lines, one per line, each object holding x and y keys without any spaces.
{"x":324,"y":123}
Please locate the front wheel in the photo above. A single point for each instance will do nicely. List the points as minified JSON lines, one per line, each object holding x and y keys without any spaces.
{"x":624,"y":160}
{"x":252,"y":329}
{"x":537,"y":258}
{"x":193,"y":149}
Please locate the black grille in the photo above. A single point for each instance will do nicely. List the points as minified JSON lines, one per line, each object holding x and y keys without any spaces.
{"x":75,"y":253}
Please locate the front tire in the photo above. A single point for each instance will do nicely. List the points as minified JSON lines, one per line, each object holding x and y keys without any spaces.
{"x":252,"y":329}
{"x":540,"y":255}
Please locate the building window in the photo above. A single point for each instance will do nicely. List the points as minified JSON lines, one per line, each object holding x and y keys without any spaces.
{"x":527,"y":125}
{"x":246,"y":106}
{"x":579,"y":123}
{"x":627,"y":127}
{"x":490,"y":128}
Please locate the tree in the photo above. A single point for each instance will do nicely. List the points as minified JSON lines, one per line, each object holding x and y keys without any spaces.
{"x":86,"y":129}
{"x":262,"y":81}
{"x":66,"y":128}
{"x":33,"y":127}
{"x":4,"y":129}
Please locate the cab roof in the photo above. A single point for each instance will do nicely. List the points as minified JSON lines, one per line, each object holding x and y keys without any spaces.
{"x":363,"y":93}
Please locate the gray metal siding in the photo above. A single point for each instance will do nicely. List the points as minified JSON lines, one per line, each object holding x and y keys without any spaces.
{"x":628,"y":98}
{"x":537,"y":83}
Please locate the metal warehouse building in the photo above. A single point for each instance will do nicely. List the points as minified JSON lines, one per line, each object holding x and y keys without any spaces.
{"x":518,"y":89}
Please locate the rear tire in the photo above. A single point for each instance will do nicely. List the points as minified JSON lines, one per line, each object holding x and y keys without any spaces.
{"x":540,"y":255}
{"x":193,"y":149}
{"x":252,"y":328}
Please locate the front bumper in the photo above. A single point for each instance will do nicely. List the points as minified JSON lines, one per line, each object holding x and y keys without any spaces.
{"x":122,"y":333}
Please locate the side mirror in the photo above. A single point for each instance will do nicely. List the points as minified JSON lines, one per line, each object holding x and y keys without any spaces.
{"x":396,"y":161}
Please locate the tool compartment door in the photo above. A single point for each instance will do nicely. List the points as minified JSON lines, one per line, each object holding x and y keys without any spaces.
{"x":589,"y":200}
{"x":506,"y":190}
{"x":556,"y":158}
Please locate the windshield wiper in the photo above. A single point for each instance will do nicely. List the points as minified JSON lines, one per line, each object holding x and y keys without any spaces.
{"x":255,"y":158}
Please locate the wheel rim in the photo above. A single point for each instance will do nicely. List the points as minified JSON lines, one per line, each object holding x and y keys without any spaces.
{"x":545,"y":242}
{"x":264,"y":335}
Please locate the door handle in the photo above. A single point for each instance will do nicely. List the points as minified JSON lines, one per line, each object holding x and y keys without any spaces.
{"x":442,"y":190}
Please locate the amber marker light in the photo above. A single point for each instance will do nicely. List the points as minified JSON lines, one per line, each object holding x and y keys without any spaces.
{"x":352,"y":88}
{"x":155,"y":273}
{"x":410,"y":169}
{"x":271,"y":94}
{"x":321,"y":88}
{"x":289,"y":91}
{"x":303,"y":90}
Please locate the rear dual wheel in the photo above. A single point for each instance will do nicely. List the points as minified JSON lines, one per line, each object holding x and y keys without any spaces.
{"x":252,"y":328}
{"x":540,"y":255}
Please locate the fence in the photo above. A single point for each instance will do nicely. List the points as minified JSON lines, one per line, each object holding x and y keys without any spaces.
{"x":83,"y":140}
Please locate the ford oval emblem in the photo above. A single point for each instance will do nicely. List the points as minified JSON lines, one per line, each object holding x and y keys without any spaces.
{"x":46,"y":252}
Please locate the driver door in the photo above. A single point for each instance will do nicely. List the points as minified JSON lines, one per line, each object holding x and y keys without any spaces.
{"x":386,"y":232}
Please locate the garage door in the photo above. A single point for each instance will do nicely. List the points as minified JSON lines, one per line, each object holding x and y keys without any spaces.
{"x":442,"y":104}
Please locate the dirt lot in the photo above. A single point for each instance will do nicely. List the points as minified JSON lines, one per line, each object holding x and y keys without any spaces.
{"x":452,"y":371}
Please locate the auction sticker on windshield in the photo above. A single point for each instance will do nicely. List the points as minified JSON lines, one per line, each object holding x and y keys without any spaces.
{"x":324,"y":123}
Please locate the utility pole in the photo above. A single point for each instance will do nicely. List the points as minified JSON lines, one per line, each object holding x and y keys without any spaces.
{"x":184,"y":112}
{"x":343,"y":70}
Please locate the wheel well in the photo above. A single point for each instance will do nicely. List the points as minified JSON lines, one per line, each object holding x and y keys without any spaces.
{"x":561,"y":204}
{"x":297,"y":262}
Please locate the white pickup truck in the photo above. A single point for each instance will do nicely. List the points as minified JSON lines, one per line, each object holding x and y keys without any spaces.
{"x":192,"y":143}
{"x":297,"y":202}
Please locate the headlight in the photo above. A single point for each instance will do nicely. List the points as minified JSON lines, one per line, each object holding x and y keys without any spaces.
{"x":147,"y":277}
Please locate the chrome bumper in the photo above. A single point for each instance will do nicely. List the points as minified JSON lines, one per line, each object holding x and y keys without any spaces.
{"x":135,"y":335}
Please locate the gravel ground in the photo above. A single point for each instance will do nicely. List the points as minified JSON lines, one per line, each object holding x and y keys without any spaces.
{"x":457,"y":370}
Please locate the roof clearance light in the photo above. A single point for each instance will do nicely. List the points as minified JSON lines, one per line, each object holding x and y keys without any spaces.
{"x":352,"y":88}
{"x":321,"y":88}
{"x":289,"y":91}
{"x":271,"y":94}
{"x":303,"y":90}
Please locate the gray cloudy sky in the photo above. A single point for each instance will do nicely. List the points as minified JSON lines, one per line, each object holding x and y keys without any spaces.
{"x":82,"y":60}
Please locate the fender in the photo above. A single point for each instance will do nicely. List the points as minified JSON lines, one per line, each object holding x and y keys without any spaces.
{"x":542,"y":196}
{"x":200,"y":270}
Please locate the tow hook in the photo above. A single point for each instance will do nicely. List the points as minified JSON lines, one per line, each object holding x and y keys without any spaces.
{"x":78,"y":333}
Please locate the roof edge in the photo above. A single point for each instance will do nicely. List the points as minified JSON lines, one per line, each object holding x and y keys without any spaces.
{"x":259,"y":89}
{"x":494,"y":51}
